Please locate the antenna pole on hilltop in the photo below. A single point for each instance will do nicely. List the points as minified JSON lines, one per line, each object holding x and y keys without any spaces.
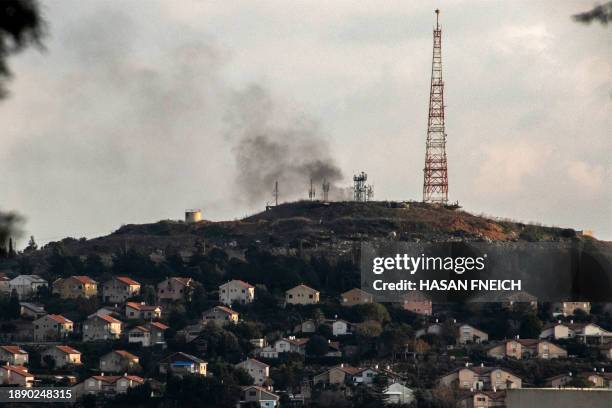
{"x":311,"y":191}
{"x":435,"y":173}
{"x":275,"y":192}
{"x":326,"y":186}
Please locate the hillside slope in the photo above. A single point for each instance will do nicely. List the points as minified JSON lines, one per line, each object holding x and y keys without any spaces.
{"x":313,"y":224}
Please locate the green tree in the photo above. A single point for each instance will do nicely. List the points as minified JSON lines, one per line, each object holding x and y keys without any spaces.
{"x":13,"y":307}
{"x":530,"y":327}
{"x":317,"y":346}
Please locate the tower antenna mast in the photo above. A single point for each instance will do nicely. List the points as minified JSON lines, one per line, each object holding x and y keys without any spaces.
{"x":275,"y":192}
{"x":435,"y":173}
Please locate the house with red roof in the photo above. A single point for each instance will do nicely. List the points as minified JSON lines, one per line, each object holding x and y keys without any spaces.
{"x":62,"y":356}
{"x":140,"y":310}
{"x":119,"y":361}
{"x":174,"y":289}
{"x":526,"y":348}
{"x":148,"y":335}
{"x":101,"y":327}
{"x":13,"y":355}
{"x":119,"y":289}
{"x":340,"y":374}
{"x":75,"y":286}
{"x":482,"y":399}
{"x":481,"y":378}
{"x":356,"y":296}
{"x":108,"y":385}
{"x":256,"y":369}
{"x":236,"y":292}
{"x":182,"y":363}
{"x":254,"y":395}
{"x":302,"y":295}
{"x":52,"y":327}
{"x":220,"y":315}
{"x":16,"y":375}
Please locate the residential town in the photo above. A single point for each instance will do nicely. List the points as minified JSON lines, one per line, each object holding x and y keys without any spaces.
{"x":113,"y":338}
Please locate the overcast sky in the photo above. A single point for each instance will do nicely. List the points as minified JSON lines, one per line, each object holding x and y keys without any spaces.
{"x":138,"y":110}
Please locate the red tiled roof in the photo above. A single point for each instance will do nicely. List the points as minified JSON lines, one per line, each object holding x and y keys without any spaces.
{"x":126,"y":354}
{"x":140,"y":306}
{"x":297,"y":342}
{"x":302,"y":286}
{"x":356,"y":290}
{"x":528,"y":342}
{"x":84,"y":279}
{"x":111,"y":379}
{"x":225,"y":309}
{"x":107,"y":318}
{"x":59,"y":318}
{"x":17,"y":369}
{"x":256,"y":362}
{"x":159,"y":325}
{"x":241,"y":283}
{"x":349,"y":369}
{"x":67,"y":350}
{"x":127,"y":280}
{"x":107,"y":378}
{"x":141,"y":328}
{"x":14,"y":349}
{"x":184,"y":281}
{"x":135,"y":378}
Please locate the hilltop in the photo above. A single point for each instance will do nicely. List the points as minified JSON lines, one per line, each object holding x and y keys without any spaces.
{"x":307,"y":224}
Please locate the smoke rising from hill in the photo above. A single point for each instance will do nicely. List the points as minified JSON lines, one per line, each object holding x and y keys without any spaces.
{"x":272,"y":144}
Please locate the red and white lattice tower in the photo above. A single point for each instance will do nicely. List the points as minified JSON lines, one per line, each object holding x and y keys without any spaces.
{"x":435,"y":183}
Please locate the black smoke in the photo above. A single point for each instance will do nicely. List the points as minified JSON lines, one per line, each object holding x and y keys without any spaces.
{"x":272,"y":145}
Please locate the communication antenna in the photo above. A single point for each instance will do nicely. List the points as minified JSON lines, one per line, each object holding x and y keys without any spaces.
{"x":369,"y":192}
{"x":435,"y":173}
{"x":275,"y":193}
{"x":359,"y":187}
{"x":311,"y":191}
{"x":325,"y":190}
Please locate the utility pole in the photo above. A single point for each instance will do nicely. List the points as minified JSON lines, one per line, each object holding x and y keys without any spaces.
{"x":326,"y":186}
{"x":275,"y":192}
{"x":435,"y":173}
{"x":311,"y":191}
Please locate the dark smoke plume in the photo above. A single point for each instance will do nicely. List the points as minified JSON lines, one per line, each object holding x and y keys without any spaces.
{"x":601,"y":13}
{"x":272,"y":145}
{"x":10,"y":227}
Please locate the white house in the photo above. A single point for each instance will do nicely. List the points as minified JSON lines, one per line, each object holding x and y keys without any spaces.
{"x":101,"y":327}
{"x":290,"y":344}
{"x":259,"y":396}
{"x":16,"y":375}
{"x":119,"y":289}
{"x":236,"y":292}
{"x":148,"y":335}
{"x":27,"y":286}
{"x":220,"y":315}
{"x":140,"y":310}
{"x":339,"y":327}
{"x":256,"y":369}
{"x":13,"y":355}
{"x":398,"y":393}
{"x":107,"y":384}
{"x":586,"y":332}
